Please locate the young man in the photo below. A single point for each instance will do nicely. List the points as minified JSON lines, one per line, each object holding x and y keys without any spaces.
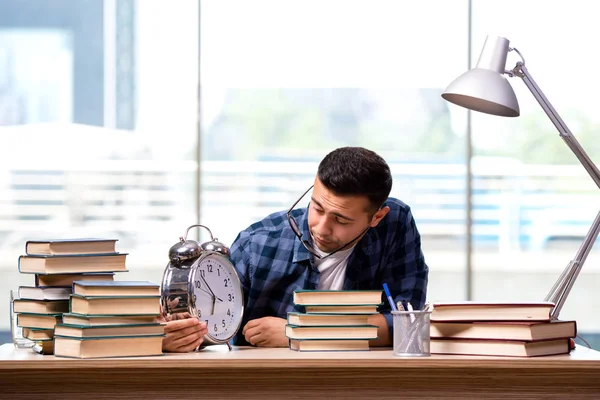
{"x":351,"y":236}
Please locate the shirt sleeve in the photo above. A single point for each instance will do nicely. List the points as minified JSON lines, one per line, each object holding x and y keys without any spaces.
{"x":405,"y":271}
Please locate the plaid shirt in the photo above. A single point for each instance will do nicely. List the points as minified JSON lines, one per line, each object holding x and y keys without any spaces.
{"x":272,"y":263}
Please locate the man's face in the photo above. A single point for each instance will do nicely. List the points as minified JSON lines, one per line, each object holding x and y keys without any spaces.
{"x":334,"y":220}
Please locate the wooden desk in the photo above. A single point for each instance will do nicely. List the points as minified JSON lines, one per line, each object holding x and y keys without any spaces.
{"x":252,"y":373}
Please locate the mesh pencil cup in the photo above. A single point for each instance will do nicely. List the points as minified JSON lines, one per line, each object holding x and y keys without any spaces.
{"x":411,"y":333}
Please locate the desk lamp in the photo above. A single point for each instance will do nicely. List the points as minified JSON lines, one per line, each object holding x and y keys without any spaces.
{"x":486,"y":89}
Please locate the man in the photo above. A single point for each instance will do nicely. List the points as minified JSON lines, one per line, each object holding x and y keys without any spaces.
{"x":351,"y":236}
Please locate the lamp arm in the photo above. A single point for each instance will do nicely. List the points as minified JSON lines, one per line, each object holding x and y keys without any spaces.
{"x":561,"y":288}
{"x":558,"y":122}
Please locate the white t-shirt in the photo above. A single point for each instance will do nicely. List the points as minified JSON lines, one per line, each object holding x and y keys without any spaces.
{"x":332,"y":269}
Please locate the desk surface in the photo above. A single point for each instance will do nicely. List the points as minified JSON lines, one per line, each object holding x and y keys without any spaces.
{"x":244,"y":357}
{"x":247,"y":372}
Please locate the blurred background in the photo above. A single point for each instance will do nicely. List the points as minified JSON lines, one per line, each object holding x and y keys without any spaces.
{"x":134,"y":119}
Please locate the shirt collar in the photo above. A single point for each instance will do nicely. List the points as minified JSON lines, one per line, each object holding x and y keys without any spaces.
{"x":300,"y":252}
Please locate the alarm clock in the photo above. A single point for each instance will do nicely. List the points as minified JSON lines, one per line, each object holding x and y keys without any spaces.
{"x":201,"y":280}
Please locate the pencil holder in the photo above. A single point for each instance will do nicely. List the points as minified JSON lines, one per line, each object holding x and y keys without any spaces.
{"x":17,"y":332}
{"x":411,"y":333}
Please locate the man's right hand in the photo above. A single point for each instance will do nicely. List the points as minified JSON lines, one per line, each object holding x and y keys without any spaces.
{"x":182,"y":333}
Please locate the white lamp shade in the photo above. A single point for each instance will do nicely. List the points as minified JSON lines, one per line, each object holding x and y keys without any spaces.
{"x":484,"y":88}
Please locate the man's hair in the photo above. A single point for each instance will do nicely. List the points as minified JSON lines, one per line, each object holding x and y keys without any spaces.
{"x":356,"y":171}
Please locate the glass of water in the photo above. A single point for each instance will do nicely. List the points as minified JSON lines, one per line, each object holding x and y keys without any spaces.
{"x":18,"y":339}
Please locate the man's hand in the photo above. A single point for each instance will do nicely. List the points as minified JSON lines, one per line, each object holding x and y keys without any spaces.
{"x":266,"y":332}
{"x":183,"y":333}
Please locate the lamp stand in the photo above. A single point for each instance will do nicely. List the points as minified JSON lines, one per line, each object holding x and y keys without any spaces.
{"x":561,"y":288}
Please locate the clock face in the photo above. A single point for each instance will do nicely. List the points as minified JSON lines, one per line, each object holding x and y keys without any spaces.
{"x":218,"y":296}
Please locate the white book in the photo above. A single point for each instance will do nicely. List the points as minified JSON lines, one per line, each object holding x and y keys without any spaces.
{"x":44,"y":293}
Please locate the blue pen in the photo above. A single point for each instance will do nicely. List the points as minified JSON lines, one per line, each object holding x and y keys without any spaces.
{"x":389,"y":297}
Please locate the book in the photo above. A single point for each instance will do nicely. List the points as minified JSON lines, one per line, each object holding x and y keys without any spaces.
{"x":115,"y":305}
{"x":68,"y":279}
{"x":71,"y":246}
{"x":40,"y":306}
{"x":116,"y":288}
{"x":83,"y":331}
{"x":44,"y":293}
{"x":38,"y":334}
{"x":329,"y":345}
{"x":512,"y":330}
{"x":491,"y":311}
{"x":103,"y":320}
{"x":42,"y":321}
{"x":299,"y":319}
{"x":71,"y":263}
{"x":342,"y":309}
{"x":331,"y":332}
{"x":337,"y":297}
{"x":489,"y":347}
{"x":44,"y":347}
{"x":108,"y":347}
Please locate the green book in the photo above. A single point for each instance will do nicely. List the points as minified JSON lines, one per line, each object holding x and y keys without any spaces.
{"x":331,"y":332}
{"x":72,"y":263}
{"x":327,"y":319}
{"x":329,"y":344}
{"x":103,"y":320}
{"x":102,"y":347}
{"x":86,"y":331}
{"x":337,"y":297}
{"x":71,"y":246}
{"x":115,"y":305}
{"x":116,"y":288}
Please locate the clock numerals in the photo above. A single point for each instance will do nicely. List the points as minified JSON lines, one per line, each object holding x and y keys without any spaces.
{"x":218,"y":297}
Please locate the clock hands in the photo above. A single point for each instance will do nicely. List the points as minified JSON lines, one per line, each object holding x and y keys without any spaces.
{"x":211,"y":293}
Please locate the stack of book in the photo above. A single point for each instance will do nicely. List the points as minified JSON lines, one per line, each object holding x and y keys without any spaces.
{"x":56,"y":264}
{"x":335,"y":320}
{"x":111,"y":319}
{"x":499,"y":329}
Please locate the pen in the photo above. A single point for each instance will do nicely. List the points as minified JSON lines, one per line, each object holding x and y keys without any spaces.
{"x":389,"y":297}
{"x":409,"y":307}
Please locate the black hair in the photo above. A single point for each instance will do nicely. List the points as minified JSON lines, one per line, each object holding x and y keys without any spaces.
{"x":356,"y":171}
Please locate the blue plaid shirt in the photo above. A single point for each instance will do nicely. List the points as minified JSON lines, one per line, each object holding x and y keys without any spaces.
{"x":272,"y":263}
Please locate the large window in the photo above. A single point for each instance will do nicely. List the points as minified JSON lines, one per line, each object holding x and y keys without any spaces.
{"x":137,"y":118}
{"x":98,"y":128}
{"x":526,"y":180}
{"x":286,"y":82}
